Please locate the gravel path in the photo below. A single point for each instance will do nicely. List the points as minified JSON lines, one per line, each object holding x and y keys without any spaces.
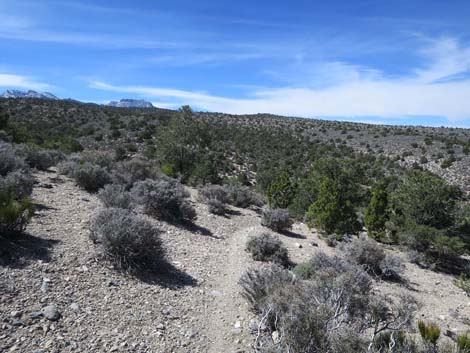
{"x":195,"y":309}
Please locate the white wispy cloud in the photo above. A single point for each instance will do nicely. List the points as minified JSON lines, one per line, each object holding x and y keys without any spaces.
{"x":353,"y":91}
{"x":23,"y":82}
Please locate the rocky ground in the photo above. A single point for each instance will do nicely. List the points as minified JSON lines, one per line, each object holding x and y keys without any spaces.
{"x":58,"y":296}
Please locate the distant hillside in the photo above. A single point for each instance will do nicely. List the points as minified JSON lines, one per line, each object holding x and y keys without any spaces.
{"x":131,"y":103}
{"x":248,"y":141}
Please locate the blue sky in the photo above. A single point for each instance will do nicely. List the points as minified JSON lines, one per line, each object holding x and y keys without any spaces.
{"x":382,"y":61}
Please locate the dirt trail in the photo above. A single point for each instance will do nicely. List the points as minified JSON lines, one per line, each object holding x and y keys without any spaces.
{"x":198,"y":309}
{"x":230,"y":317}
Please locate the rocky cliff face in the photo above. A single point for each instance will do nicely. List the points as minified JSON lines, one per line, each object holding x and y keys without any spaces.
{"x":131,"y":103}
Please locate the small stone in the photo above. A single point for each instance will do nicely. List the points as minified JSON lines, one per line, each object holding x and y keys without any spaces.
{"x":35,"y":315}
{"x":238,"y":324}
{"x":51,"y":312}
{"x":298,"y":245}
{"x":191,"y":333}
{"x":16,"y":313}
{"x":17,"y":322}
{"x":216,"y":293}
{"x":45,"y":285}
{"x":160,"y":327}
{"x":275,"y":337}
{"x":167,"y":310}
{"x":253,"y":325}
{"x":74,"y":306}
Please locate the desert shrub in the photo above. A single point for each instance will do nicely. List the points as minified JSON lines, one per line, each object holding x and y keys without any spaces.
{"x":14,"y":214}
{"x":217,"y":207}
{"x":164,"y":199}
{"x":430,"y":333}
{"x":4,"y":119}
{"x":242,"y":196}
{"x":304,"y":270}
{"x":391,"y":267}
{"x":266,"y":247}
{"x":215,"y":197}
{"x":463,"y":282}
{"x":18,"y":183}
{"x":330,"y":312}
{"x":116,"y":196}
{"x":69,"y":166}
{"x":367,"y":253}
{"x":103,"y":159}
{"x":216,"y":192}
{"x":91,"y":177}
{"x":133,"y":170}
{"x":120,"y":153}
{"x":130,"y":242}
{"x":9,"y":160}
{"x":463,"y":343}
{"x":258,"y":283}
{"x":331,"y":212}
{"x":277,"y":219}
{"x":38,"y":158}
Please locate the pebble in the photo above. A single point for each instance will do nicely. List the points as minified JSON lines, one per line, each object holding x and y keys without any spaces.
{"x":51,"y":312}
{"x":16,"y":313}
{"x":45,"y":284}
{"x":17,"y":322}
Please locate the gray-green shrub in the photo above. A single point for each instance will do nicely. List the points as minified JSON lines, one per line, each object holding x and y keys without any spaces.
{"x":216,"y":198}
{"x":277,"y":219}
{"x":91,"y":177}
{"x":113,"y":195}
{"x":129,"y":241}
{"x":165,"y":199}
{"x":266,"y":247}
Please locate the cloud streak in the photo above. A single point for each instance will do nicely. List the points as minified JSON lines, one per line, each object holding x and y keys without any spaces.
{"x":23,"y":82}
{"x":352,"y":91}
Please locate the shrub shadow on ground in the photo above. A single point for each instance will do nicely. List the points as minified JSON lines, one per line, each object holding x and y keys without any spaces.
{"x":231,"y":212}
{"x":17,"y":249}
{"x":194,"y":228}
{"x":167,"y":276}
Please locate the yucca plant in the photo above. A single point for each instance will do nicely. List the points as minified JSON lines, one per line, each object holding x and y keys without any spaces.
{"x":463,"y":343}
{"x":429,"y":332}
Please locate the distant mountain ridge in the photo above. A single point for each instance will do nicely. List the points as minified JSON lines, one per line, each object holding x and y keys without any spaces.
{"x":28,"y":94}
{"x":131,"y":103}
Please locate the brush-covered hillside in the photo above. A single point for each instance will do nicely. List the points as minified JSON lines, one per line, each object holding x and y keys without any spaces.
{"x":151,"y":230}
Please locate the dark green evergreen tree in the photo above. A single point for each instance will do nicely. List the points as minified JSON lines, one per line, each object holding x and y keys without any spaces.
{"x":377,"y":210}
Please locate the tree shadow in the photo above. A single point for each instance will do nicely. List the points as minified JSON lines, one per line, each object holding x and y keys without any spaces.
{"x":291,"y":234}
{"x":17,"y":249}
{"x":167,"y":276}
{"x":453,"y":265}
